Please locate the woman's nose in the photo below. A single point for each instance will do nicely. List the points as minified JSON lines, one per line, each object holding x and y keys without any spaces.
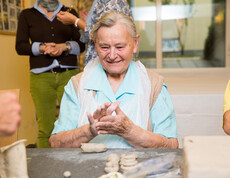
{"x":112,"y":54}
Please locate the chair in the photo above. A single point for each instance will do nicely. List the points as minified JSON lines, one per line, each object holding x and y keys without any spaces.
{"x":10,"y":139}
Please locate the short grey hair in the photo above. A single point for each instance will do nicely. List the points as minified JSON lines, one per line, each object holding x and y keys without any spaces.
{"x":110,"y":19}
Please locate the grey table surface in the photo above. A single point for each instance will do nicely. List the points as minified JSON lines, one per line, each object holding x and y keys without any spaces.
{"x":53,"y":162}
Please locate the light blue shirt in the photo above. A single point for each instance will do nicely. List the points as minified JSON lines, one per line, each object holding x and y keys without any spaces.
{"x":35,"y":46}
{"x":162,"y":113}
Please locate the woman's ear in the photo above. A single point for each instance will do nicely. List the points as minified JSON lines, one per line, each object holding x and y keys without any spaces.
{"x":136,"y":42}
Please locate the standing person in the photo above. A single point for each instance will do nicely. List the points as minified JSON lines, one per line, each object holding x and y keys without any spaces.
{"x":10,"y":114}
{"x":98,"y":9}
{"x":226,"y":107}
{"x":52,"y":48}
{"x":116,"y":101}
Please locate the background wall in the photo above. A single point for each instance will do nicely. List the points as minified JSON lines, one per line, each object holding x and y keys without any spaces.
{"x":14,"y":73}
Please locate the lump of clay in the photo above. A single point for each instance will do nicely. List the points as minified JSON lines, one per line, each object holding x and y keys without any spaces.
{"x":93,"y":147}
{"x":129,"y":156}
{"x":67,"y":174}
{"x":113,"y":158}
{"x":113,"y":175}
{"x":111,"y":169}
{"x":112,"y":164}
{"x":128,"y":161}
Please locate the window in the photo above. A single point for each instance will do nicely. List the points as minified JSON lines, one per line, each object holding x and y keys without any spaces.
{"x":182,"y":33}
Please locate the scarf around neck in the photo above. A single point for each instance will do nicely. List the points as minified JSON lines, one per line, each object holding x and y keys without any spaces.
{"x":49,"y":5}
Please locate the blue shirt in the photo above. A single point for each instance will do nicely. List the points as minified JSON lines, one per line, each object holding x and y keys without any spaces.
{"x":162,"y":113}
{"x":35,"y":46}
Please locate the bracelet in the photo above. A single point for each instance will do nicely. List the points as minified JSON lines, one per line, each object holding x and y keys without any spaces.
{"x":76,"y":22}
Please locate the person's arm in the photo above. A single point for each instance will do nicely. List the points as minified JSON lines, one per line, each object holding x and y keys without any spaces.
{"x":226,"y":122}
{"x":10,"y":116}
{"x":78,"y":46}
{"x":226,"y":109}
{"x":147,"y":139}
{"x":23,"y":46}
{"x":163,"y":123}
{"x":66,"y":132}
{"x":122,"y":126}
{"x":71,"y":138}
{"x":70,"y":19}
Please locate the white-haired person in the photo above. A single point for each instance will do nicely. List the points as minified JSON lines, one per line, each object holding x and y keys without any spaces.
{"x":116,"y":101}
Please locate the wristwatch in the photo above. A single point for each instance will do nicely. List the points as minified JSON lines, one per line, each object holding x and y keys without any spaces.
{"x":68,"y":48}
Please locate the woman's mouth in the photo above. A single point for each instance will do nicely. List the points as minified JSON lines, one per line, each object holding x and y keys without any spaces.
{"x":114,"y":62}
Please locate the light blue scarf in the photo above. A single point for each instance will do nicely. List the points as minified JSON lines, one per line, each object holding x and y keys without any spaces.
{"x":49,"y":5}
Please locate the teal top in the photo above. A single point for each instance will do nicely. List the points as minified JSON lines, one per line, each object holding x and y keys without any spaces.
{"x":162,"y":113}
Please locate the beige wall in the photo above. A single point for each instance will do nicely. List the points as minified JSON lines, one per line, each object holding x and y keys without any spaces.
{"x":14,"y":73}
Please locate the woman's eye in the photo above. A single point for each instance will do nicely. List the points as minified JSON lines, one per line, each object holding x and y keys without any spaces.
{"x":104,"y":47}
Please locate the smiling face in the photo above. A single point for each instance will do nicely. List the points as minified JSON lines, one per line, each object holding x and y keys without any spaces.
{"x":115,"y":47}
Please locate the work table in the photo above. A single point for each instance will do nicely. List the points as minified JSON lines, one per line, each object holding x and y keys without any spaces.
{"x":53,"y":162}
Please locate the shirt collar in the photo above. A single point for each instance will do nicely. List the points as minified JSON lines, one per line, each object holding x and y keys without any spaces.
{"x":42,"y":12}
{"x":98,"y":81}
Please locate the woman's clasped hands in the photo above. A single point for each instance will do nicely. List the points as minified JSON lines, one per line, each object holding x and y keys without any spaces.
{"x":103,"y":122}
{"x":53,"y":49}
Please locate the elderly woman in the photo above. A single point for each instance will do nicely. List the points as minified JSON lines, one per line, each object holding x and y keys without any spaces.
{"x":110,"y":102}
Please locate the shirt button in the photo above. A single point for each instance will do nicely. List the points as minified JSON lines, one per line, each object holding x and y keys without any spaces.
{"x":52,"y":28}
{"x":52,"y":34}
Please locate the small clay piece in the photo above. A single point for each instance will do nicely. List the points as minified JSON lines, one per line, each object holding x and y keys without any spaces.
{"x":112,"y":164}
{"x":126,"y":168}
{"x":111,"y":169}
{"x":67,"y":174}
{"x":129,"y":156}
{"x":113,"y":158}
{"x":128,"y":161}
{"x":112,"y":175}
{"x":93,"y":147}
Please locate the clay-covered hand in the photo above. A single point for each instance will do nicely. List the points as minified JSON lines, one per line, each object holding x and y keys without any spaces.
{"x":92,"y":124}
{"x":101,"y":111}
{"x":105,"y":109}
{"x":10,"y":114}
{"x":118,"y":124}
{"x":66,"y":18}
